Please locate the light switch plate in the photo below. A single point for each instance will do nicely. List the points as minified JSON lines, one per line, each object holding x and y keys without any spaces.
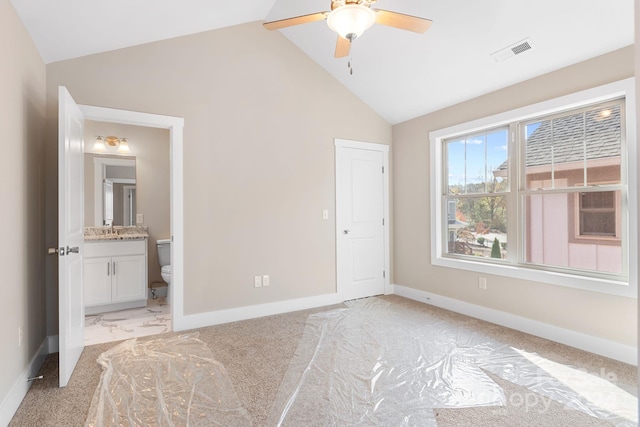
{"x":257,"y":281}
{"x":139,"y":218}
{"x":325,"y":214}
{"x":265,"y":281}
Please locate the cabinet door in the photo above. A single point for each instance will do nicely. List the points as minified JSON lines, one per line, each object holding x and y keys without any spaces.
{"x":129,"y":278}
{"x":97,"y":281}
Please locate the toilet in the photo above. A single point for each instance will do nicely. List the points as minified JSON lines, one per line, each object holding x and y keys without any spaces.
{"x":164,"y":258}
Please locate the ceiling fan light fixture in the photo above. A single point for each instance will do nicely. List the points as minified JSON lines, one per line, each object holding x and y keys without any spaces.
{"x":351,"y":20}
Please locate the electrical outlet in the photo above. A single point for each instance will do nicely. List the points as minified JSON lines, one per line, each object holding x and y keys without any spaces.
{"x":265,"y":281}
{"x":20,"y":336}
{"x":257,"y":281}
{"x":482,"y":283}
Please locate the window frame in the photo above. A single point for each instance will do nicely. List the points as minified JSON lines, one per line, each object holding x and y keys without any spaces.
{"x":514,"y":266}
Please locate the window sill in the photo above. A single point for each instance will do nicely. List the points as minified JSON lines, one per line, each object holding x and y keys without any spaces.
{"x":605,"y":286}
{"x":594,"y":240}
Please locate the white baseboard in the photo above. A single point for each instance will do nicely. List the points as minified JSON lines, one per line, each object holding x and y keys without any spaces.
{"x":20,"y":388}
{"x":613,"y":350}
{"x":201,"y":320}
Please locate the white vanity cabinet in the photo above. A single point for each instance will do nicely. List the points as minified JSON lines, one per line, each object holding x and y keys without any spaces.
{"x":115,"y":275}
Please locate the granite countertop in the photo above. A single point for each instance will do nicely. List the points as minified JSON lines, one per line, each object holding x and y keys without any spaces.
{"x":116,"y":233}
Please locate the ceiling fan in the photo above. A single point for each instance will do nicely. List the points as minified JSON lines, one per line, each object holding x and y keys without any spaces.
{"x":350,"y":18}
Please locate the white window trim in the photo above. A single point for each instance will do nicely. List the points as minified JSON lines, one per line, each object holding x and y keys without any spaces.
{"x":624,"y":88}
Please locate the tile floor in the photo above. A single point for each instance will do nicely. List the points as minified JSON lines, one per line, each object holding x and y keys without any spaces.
{"x":153,"y":319}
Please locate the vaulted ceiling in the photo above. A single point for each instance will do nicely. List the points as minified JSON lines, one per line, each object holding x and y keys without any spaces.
{"x":399,"y":74}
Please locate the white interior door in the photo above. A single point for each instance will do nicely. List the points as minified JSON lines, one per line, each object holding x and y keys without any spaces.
{"x":360,"y":221}
{"x":70,"y":232}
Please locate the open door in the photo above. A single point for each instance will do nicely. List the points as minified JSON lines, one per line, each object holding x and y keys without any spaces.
{"x":70,"y":232}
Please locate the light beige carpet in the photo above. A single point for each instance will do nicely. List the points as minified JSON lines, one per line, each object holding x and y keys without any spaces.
{"x":256,"y":354}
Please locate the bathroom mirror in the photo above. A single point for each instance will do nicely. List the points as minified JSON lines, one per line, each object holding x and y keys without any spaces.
{"x":113,"y":190}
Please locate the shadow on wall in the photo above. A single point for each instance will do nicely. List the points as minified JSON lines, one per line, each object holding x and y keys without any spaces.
{"x":35,"y":293}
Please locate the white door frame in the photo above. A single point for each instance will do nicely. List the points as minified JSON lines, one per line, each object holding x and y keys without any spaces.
{"x":175,"y":126}
{"x":126,"y":204}
{"x":384,"y":149}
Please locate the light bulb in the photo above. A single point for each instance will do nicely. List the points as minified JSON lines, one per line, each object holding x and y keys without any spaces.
{"x":98,"y":145}
{"x":124,"y":146}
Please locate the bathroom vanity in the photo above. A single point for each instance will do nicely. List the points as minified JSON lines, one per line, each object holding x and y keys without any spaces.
{"x":115,"y":272}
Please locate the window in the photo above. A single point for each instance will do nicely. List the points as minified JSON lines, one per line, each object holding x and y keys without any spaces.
{"x":540,"y":192}
{"x":598,"y":214}
{"x":477,"y":208}
{"x":566,"y":157}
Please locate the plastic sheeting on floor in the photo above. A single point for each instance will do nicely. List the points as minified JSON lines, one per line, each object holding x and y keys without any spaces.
{"x":377,"y":363}
{"x":164,"y":382}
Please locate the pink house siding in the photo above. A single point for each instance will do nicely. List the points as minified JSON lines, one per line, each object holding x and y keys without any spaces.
{"x":583,"y":256}
{"x":550,"y":231}
{"x":609,"y":258}
{"x":547,"y":234}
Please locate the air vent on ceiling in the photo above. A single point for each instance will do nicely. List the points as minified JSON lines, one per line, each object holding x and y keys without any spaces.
{"x":512,"y":50}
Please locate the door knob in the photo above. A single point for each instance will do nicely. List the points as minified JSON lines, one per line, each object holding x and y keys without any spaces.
{"x":54,"y":251}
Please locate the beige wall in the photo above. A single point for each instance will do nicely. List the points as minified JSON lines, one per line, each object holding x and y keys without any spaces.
{"x":150,"y":149}
{"x":22,"y":115}
{"x":600,"y":315}
{"x":260,"y":118}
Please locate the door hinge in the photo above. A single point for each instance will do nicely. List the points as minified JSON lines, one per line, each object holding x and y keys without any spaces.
{"x":384,"y":273}
{"x":383,"y":169}
{"x":382,"y":221}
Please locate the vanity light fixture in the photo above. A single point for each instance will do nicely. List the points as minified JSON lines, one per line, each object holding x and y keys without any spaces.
{"x":124,"y":146}
{"x":103,"y":144}
{"x":98,"y":145}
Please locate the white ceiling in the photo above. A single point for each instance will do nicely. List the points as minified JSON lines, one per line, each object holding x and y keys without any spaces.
{"x":399,"y":74}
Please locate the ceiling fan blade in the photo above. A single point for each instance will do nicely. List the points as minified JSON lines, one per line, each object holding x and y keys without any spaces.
{"x":402,"y":21}
{"x":343,"y":46}
{"x":289,"y":22}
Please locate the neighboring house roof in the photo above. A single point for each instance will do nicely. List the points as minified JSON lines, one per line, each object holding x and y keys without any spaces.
{"x":561,"y":139}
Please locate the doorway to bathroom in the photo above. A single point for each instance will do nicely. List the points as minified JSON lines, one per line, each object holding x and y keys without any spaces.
{"x":70,"y":225}
{"x":126,"y":193}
